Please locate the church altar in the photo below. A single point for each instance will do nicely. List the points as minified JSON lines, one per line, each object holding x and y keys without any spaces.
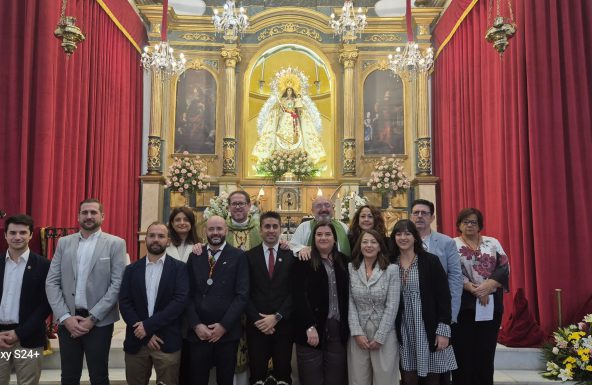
{"x":288,"y":84}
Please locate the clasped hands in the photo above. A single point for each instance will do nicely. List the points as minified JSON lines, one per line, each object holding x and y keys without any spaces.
{"x":210,"y":333}
{"x":8,"y":339}
{"x":483,"y":290}
{"x":155,"y":341}
{"x":266,"y":325}
{"x":78,"y":325}
{"x":364,"y":344}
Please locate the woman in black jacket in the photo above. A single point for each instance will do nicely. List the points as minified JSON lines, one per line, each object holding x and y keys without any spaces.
{"x":321,"y":289}
{"x":423,"y":321}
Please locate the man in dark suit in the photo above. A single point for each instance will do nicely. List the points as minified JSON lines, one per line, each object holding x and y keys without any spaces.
{"x":23,"y":304}
{"x":152,"y":298}
{"x":269,"y":330}
{"x":218,"y":294}
{"x":82,"y":288}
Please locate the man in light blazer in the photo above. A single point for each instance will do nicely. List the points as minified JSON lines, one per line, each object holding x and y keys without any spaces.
{"x":218,"y":294}
{"x":444,"y":247}
{"x":23,"y":304}
{"x":152,"y":298}
{"x":269,"y":328}
{"x":82,"y":288}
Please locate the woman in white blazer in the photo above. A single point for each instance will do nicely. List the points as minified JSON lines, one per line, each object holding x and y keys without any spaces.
{"x":183,"y":233}
{"x":373,"y":352}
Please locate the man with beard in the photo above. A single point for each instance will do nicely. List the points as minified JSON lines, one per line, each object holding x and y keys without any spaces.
{"x":152,"y":297}
{"x":82,"y":288}
{"x":218,"y":295}
{"x":322,"y":209}
{"x":444,"y":247}
{"x":243,"y":229}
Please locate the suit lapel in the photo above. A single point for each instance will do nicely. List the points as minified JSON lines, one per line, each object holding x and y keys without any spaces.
{"x":99,"y":250}
{"x":74,"y":253}
{"x":262,"y":266}
{"x":376,"y":274}
{"x":142,"y":280}
{"x":28,"y":276}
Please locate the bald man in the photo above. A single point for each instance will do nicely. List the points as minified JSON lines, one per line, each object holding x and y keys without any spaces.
{"x":218,"y":295}
{"x":323,"y":211}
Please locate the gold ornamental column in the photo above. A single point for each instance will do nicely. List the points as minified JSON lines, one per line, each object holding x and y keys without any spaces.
{"x":154,"y":133}
{"x":423,"y":143}
{"x":348,"y":56}
{"x":231,"y":55}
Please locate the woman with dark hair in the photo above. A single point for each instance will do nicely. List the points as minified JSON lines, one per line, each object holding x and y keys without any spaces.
{"x":373,"y":304}
{"x":423,"y":321}
{"x":183,"y":233}
{"x":485,"y":269}
{"x":320,"y":296}
{"x":366,"y":217}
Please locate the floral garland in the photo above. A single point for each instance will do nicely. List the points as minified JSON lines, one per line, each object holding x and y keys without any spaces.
{"x":346,"y":203}
{"x":388,"y":176}
{"x":187,"y":174}
{"x":282,"y":161}
{"x":569,"y":358}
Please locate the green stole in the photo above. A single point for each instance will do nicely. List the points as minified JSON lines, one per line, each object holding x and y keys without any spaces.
{"x":342,"y":240}
{"x":243,"y":237}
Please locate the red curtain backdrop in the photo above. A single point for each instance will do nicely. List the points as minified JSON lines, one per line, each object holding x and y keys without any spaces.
{"x":513,"y":137}
{"x":70,"y":128}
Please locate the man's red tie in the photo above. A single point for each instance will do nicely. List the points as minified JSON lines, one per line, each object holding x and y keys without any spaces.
{"x":271,"y":262}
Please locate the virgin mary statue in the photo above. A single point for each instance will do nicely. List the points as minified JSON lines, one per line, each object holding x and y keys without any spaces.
{"x":289,"y":119}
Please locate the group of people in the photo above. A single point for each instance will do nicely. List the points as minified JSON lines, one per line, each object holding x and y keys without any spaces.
{"x":360,"y":307}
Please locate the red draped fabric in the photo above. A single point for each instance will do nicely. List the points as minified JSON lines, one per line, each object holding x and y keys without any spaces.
{"x":70,"y":128}
{"x":513,"y":137}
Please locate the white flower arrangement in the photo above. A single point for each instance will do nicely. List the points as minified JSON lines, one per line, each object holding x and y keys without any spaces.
{"x":388,"y":176}
{"x":570,"y":357}
{"x":346,"y":205}
{"x":187,"y":174}
{"x":218,"y":206}
{"x":282,"y":161}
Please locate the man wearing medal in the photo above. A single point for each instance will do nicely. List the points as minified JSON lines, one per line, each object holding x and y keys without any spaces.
{"x":218,"y":295}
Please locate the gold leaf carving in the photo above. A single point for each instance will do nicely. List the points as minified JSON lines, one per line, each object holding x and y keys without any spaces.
{"x":197,"y":36}
{"x":289,"y":28}
{"x":383,"y":37}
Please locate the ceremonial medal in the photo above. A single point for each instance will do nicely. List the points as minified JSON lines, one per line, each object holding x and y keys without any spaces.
{"x":210,"y":281}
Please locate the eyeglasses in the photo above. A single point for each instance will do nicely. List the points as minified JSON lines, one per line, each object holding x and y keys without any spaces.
{"x":326,"y":205}
{"x":467,"y":223}
{"x":421,"y":213}
{"x":238,"y":204}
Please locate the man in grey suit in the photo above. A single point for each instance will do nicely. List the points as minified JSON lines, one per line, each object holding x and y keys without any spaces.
{"x":82,"y":288}
{"x":444,"y":247}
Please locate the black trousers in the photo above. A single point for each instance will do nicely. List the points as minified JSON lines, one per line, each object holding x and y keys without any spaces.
{"x":205,"y":355}
{"x":474,"y":347}
{"x":95,"y":345}
{"x":277,"y":346}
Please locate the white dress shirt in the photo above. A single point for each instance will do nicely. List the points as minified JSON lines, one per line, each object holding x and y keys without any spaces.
{"x":153,"y":274}
{"x":86,"y":249}
{"x":11,"y":292}
{"x":266,"y":253}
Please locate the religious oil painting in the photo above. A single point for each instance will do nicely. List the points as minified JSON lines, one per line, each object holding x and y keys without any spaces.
{"x":195,"y":116}
{"x":383,"y":114}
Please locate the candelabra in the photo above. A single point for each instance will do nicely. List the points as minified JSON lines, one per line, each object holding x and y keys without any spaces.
{"x":232,"y":22}
{"x":409,"y":60}
{"x":161,"y":59}
{"x":349,"y":24}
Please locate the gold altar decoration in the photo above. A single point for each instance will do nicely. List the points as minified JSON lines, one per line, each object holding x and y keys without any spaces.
{"x":424,"y":156}
{"x":154,"y":155}
{"x":502,"y":28}
{"x":289,"y":28}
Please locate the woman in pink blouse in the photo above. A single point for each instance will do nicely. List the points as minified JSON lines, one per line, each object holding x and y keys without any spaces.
{"x":485,"y":270}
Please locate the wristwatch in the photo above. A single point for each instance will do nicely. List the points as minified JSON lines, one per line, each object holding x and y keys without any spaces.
{"x":93,"y":318}
{"x":278,"y":317}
